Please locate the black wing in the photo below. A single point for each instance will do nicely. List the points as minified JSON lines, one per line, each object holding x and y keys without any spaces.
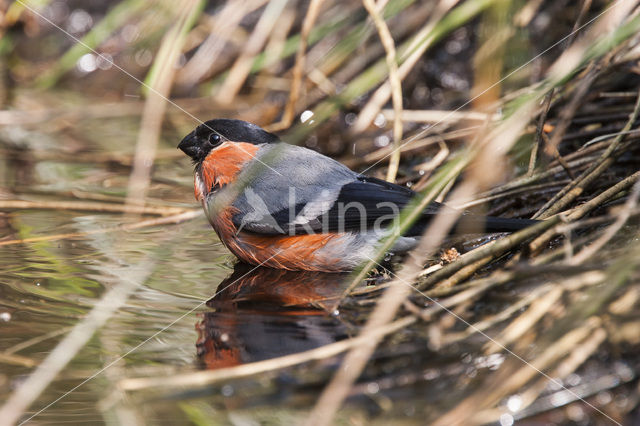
{"x":363,"y":204}
{"x":366,"y":203}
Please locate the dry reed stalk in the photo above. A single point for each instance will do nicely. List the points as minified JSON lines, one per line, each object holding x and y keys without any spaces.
{"x":383,"y":93}
{"x":90,"y":206}
{"x":439,"y":116}
{"x":577,"y":186}
{"x":508,"y":382}
{"x":622,"y":218}
{"x":488,"y":251}
{"x":538,"y":142}
{"x":204,"y":378}
{"x":242,"y":66}
{"x":226,"y":22}
{"x":298,"y":68}
{"x":394,"y":80}
{"x":174,"y":219}
{"x":157,"y":97}
{"x":412,"y":146}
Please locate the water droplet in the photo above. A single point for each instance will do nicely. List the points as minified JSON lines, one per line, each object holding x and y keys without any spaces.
{"x":604,"y":398}
{"x":380,"y":120}
{"x":373,"y":388}
{"x":575,"y":413}
{"x":453,"y":47}
{"x":79,"y":21}
{"x":104,"y":61}
{"x":87,"y":63}
{"x":514,"y":403}
{"x":573,"y":379}
{"x":143,"y":57}
{"x":227,"y":390}
{"x":506,"y":419}
{"x":350,"y":118}
{"x":382,"y":141}
{"x":306,"y":115}
{"x":56,"y":12}
{"x":130,"y":33}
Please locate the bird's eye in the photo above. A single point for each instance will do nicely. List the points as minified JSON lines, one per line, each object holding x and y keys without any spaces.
{"x":215,"y":139}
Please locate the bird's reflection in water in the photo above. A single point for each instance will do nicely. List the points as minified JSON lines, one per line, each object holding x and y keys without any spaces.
{"x":262,"y":313}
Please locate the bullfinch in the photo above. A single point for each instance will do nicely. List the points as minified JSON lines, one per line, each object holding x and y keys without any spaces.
{"x":288,"y":207}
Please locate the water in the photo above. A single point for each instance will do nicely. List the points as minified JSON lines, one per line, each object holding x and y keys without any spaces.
{"x":239,"y":316}
{"x":262,"y":313}
{"x":196,"y":309}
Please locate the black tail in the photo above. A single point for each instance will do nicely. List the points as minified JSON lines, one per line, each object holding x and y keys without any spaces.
{"x":496,"y":224}
{"x":506,"y":224}
{"x":485,"y":223}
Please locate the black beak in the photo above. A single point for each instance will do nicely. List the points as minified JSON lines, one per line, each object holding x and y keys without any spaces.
{"x":191,"y":146}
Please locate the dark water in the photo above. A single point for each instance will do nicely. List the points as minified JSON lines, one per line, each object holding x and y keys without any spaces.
{"x":260,"y":313}
{"x":240,"y":315}
{"x":195,"y":309}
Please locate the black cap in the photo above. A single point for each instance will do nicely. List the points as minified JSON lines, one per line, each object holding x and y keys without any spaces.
{"x":197,"y":143}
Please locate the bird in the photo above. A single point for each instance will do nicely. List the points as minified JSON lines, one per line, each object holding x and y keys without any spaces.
{"x":288,"y":207}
